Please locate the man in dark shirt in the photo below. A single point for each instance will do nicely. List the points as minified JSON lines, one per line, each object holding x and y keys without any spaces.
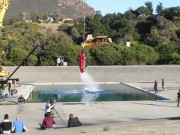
{"x":9,"y":89}
{"x":48,"y":122}
{"x":155,"y":86}
{"x":73,"y":122}
{"x":163,"y":83}
{"x":6,"y":125}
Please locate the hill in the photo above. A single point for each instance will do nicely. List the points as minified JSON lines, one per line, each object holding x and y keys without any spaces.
{"x":64,"y":8}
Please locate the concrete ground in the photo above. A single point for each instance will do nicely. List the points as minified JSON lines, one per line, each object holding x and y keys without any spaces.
{"x":104,"y":118}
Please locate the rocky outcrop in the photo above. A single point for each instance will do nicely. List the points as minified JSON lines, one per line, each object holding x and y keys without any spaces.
{"x":64,"y":8}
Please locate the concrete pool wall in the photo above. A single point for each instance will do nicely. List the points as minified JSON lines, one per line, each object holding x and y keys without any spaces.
{"x":71,"y":74}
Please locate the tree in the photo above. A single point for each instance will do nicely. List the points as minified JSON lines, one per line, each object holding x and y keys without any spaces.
{"x":105,"y":55}
{"x":159,"y":9}
{"x":69,"y":52}
{"x":120,"y":28}
{"x":130,"y":15}
{"x":145,"y":54}
{"x":23,"y":36}
{"x":17,"y":55}
{"x":162,"y":32}
{"x":143,"y":10}
{"x":97,"y":27}
{"x":175,"y":58}
{"x":165,"y":52}
{"x":35,"y":17}
{"x":171,"y":13}
{"x":76,"y":37}
{"x":128,"y":56}
{"x":148,"y":10}
{"x":149,"y":7}
{"x":58,"y":37}
{"x":21,"y":16}
{"x":98,"y":12}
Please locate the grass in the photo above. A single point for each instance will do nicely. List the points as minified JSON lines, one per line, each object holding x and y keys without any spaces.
{"x":106,"y":128}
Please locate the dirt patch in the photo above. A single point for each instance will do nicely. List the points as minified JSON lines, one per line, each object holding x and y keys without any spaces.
{"x":50,"y":27}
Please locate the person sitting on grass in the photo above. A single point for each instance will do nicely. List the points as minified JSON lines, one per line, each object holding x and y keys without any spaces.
{"x":73,"y":122}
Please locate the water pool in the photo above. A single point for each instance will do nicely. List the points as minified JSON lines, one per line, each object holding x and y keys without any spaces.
{"x":81,"y":93}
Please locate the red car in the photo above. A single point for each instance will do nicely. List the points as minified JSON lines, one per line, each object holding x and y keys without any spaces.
{"x":82,"y":60}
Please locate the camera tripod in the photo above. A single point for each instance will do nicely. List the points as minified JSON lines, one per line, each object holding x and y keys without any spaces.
{"x":53,"y":110}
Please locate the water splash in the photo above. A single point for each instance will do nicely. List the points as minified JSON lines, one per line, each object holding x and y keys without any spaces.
{"x":91,"y":88}
{"x":89,"y":82}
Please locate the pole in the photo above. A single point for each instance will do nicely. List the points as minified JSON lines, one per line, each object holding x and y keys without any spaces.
{"x":84,"y":19}
{"x":59,"y":10}
{"x":22,"y":62}
{"x":59,"y":116}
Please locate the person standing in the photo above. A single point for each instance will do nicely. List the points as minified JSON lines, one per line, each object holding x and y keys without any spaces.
{"x":2,"y":86}
{"x":9,"y":89}
{"x":19,"y":126}
{"x":178,"y":98}
{"x":48,"y":107}
{"x":163,"y":83}
{"x":155,"y":86}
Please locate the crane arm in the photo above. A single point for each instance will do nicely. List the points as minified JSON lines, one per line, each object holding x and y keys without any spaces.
{"x":3,"y":7}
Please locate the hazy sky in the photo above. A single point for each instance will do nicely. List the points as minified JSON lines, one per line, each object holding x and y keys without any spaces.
{"x":114,"y":6}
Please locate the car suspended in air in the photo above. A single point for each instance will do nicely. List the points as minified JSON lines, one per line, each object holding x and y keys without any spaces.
{"x":82,"y":61}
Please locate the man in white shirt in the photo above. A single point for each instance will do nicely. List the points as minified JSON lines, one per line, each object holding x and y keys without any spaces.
{"x":48,"y":107}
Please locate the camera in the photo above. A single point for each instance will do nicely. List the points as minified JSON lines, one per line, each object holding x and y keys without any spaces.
{"x":52,"y":101}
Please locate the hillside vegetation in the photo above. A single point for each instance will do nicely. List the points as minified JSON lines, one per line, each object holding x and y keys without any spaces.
{"x":155,"y":39}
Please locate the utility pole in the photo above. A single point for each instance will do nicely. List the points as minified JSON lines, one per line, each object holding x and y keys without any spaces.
{"x":84,"y":19}
{"x":59,"y":10}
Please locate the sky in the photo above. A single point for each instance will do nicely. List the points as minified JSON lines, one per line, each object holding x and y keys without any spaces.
{"x":115,"y":6}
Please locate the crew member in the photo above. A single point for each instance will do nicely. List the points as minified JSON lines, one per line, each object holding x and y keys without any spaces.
{"x":48,"y":107}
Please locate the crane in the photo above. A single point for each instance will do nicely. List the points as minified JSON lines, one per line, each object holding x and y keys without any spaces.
{"x":3,"y":7}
